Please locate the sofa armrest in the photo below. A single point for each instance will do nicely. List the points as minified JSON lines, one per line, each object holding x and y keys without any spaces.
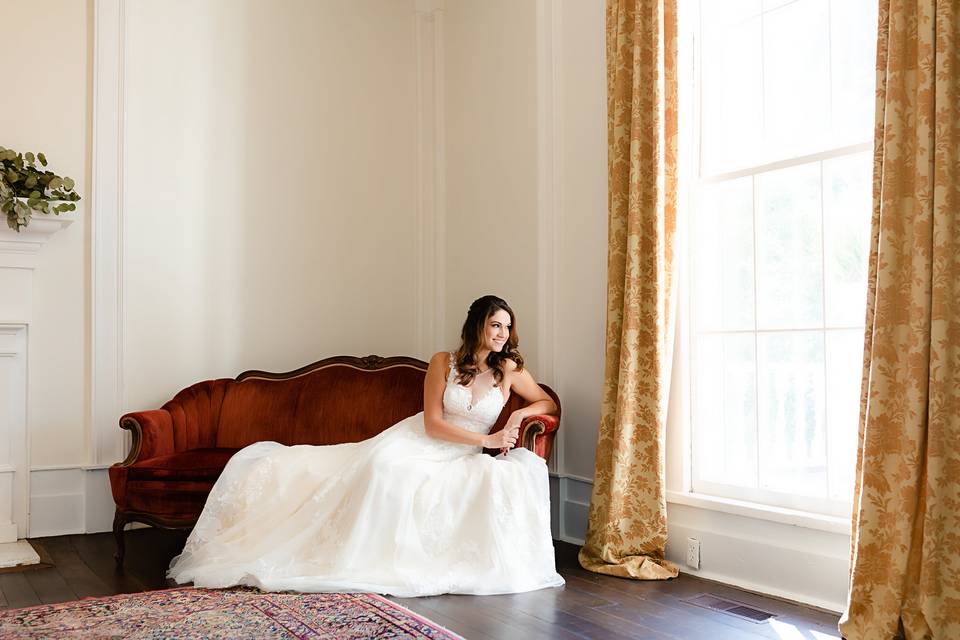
{"x":152,"y":435}
{"x":537,"y":434}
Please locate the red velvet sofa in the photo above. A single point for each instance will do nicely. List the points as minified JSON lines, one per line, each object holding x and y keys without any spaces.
{"x":179,"y":450}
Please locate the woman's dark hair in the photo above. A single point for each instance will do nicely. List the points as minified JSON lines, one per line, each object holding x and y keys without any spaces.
{"x":471,"y":338}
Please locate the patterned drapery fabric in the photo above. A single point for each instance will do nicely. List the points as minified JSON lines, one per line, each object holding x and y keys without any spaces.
{"x":627,"y":528}
{"x":905,"y":571}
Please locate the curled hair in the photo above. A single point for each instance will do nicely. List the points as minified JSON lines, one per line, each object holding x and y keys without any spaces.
{"x":471,"y":339}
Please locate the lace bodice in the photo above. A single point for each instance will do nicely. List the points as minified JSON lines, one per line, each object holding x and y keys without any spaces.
{"x":464,"y":410}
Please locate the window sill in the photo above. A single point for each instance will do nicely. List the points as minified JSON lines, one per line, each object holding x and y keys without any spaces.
{"x":793,"y":517}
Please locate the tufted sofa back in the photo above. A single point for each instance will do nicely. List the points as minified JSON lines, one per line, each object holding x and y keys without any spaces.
{"x":341,"y":399}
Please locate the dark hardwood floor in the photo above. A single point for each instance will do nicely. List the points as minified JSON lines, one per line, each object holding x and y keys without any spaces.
{"x":590,"y":606}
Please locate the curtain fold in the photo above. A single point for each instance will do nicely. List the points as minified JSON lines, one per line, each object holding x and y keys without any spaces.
{"x":905,"y":557}
{"x":627,"y":528}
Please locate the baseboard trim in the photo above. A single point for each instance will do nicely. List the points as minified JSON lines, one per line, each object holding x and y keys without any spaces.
{"x":67,"y":499}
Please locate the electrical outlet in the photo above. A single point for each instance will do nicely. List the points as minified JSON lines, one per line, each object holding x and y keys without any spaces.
{"x":693,"y":553}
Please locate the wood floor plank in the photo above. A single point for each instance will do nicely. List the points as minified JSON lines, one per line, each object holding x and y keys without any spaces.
{"x":667,"y":614}
{"x":17,"y":591}
{"x":522,"y":614}
{"x":50,"y":586}
{"x":427,"y":609}
{"x":91,"y":551}
{"x":590,"y":606}
{"x":81,"y":579}
{"x":671,"y":594}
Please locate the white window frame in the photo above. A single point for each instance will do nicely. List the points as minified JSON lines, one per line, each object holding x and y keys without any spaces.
{"x":682,"y":487}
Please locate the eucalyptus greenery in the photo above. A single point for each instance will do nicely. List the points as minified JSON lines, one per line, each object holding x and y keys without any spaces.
{"x":26,"y":187}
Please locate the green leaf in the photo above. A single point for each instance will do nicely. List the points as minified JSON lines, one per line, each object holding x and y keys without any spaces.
{"x":30,"y":157}
{"x":55,"y":183}
{"x":30,"y":182}
{"x":42,"y":158}
{"x":68,"y":184}
{"x":35,"y":195}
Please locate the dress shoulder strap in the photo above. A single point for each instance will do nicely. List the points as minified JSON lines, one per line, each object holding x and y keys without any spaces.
{"x":453,"y":364}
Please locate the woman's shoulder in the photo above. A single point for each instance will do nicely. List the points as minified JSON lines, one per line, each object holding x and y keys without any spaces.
{"x":441,"y":358}
{"x":509,"y":365}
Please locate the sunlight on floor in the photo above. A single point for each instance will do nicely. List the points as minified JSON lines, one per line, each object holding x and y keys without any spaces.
{"x":788,"y":631}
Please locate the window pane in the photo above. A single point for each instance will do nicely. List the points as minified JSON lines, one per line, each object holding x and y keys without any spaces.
{"x":844,"y":373}
{"x":720,"y":14}
{"x":791,"y":412}
{"x":725,"y":409}
{"x":769,"y":5}
{"x":723,"y":256}
{"x":847,"y":194}
{"x":789,"y":250}
{"x":853,"y":47}
{"x":732,"y":101}
{"x":796,"y":75}
{"x":778,"y":256}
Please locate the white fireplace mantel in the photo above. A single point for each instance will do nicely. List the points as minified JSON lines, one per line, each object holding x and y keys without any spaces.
{"x":22,"y":250}
{"x":20,"y":255}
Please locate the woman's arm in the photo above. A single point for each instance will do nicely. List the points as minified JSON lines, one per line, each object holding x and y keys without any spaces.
{"x":540,"y":403}
{"x":433,"y":422}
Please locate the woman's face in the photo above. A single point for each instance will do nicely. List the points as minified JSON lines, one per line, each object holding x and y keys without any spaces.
{"x":496,"y":331}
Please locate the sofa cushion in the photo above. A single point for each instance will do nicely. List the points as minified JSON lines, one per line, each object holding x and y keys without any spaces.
{"x":196,"y":464}
{"x":175,"y":499}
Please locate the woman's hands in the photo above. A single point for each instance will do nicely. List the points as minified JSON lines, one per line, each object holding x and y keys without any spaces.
{"x":504,"y":439}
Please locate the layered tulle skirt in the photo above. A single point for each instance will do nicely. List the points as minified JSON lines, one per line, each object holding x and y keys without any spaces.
{"x":401,"y":514}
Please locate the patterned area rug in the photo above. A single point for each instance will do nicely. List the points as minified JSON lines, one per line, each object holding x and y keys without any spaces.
{"x":235,"y":613}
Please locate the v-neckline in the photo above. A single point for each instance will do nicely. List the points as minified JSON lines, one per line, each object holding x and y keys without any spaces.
{"x":482,"y":398}
{"x":454,"y":374}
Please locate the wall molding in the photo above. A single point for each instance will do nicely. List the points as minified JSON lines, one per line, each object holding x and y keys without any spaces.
{"x":549,"y":194}
{"x":68,"y":500}
{"x":431,"y":179}
{"x":14,"y":439}
{"x":106,"y":443}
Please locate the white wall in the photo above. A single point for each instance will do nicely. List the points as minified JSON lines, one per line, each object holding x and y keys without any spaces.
{"x":491,"y":170}
{"x":270,"y":187}
{"x":46,"y":108}
{"x":582,"y":277}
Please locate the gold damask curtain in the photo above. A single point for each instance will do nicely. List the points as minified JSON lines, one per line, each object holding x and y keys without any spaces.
{"x":905,"y":573}
{"x":627,"y":529}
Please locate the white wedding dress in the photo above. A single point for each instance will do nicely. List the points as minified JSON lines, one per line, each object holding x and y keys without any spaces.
{"x":402,"y":513}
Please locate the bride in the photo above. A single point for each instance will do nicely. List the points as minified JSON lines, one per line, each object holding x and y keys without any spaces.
{"x":417,"y":510}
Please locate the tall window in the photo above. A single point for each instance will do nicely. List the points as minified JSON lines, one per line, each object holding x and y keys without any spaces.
{"x":781,"y":113}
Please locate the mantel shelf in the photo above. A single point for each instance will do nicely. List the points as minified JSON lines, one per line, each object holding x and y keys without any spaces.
{"x":21,"y":250}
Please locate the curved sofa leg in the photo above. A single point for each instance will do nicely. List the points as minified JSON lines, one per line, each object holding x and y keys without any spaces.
{"x":119,"y":521}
